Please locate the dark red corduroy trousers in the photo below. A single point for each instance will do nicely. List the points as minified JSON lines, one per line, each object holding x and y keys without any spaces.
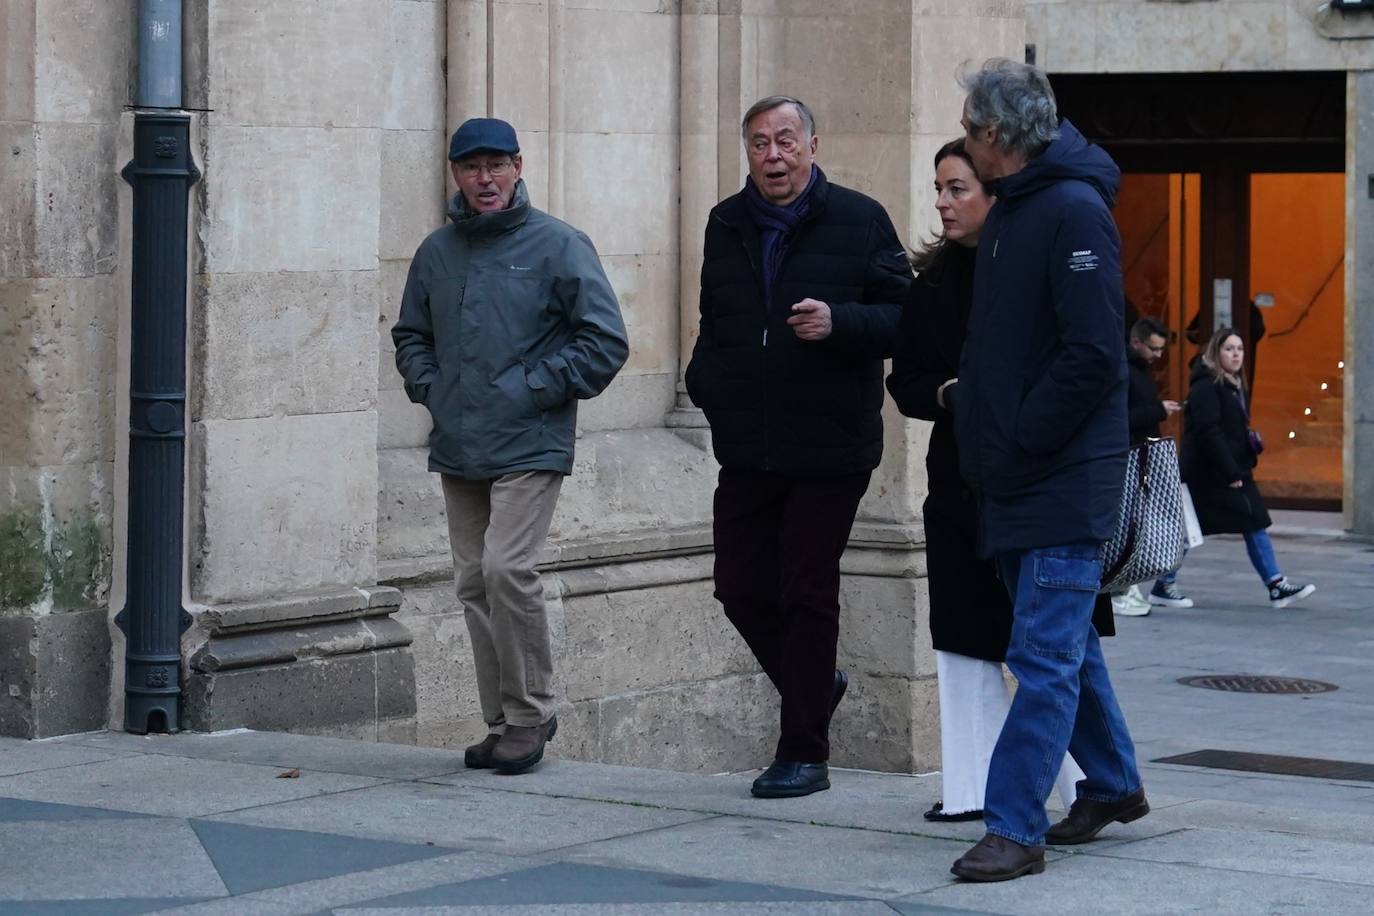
{"x":778,"y":543}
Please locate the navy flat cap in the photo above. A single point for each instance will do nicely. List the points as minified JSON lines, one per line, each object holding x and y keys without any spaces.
{"x":483,"y":134}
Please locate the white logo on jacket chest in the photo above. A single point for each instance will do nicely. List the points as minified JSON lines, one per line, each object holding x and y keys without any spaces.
{"x":1080,"y":261}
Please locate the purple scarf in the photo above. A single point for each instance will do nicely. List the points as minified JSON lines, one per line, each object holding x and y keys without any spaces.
{"x":776,"y":226}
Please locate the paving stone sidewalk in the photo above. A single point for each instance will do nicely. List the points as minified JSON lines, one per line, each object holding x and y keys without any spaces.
{"x":116,"y":823}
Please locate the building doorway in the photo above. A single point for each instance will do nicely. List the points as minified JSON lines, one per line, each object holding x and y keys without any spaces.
{"x":1232,"y":209}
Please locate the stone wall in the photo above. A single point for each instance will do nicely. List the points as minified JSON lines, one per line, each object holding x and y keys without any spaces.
{"x":1177,"y":36}
{"x":65,"y":69}
{"x":317,"y":558}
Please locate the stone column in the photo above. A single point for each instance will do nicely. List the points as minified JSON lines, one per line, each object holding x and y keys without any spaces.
{"x":291,"y":631}
{"x":65,"y":74}
{"x":1359,"y":303}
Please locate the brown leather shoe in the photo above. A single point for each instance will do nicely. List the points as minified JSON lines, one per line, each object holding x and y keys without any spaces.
{"x":1086,"y":817}
{"x":996,"y":858}
{"x":478,"y":756}
{"x":521,"y":747}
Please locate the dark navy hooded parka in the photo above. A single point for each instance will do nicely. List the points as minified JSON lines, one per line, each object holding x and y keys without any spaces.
{"x":1040,"y":415}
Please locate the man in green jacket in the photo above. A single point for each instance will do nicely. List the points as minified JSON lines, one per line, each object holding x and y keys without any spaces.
{"x":507,"y":319}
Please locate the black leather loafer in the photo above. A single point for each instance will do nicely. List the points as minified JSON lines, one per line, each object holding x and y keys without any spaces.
{"x":789,"y":779}
{"x":837,"y":692}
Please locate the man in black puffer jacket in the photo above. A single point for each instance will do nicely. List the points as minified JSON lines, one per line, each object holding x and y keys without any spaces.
{"x":1040,"y":417}
{"x":801,"y":291}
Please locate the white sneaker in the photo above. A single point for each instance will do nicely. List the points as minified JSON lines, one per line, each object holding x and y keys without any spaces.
{"x":1283,"y":593}
{"x":1131,"y":604}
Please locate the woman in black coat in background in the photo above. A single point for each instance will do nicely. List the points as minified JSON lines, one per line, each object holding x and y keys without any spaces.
{"x":970,"y":611}
{"x":1218,"y":458}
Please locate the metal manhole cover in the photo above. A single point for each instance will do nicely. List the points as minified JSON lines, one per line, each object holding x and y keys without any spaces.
{"x":1257,"y":683}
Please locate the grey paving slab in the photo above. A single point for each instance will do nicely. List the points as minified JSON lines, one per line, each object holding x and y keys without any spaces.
{"x":253,"y":858}
{"x":832,"y":859}
{"x":857,"y":798}
{"x":104,"y":858}
{"x":1231,"y":815}
{"x":173,"y":786}
{"x":17,"y":810}
{"x":124,"y":906}
{"x":323,"y":755}
{"x":461,"y":816}
{"x":790,"y":908}
{"x":1097,"y":884}
{"x":1257,"y":851}
{"x":315,"y":897}
{"x":32,"y":756}
{"x":569,"y":883}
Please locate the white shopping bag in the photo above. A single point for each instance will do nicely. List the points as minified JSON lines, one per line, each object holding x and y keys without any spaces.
{"x":1192,"y":531}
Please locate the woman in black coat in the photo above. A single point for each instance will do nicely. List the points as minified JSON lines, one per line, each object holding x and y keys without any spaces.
{"x":1218,"y":460}
{"x":970,"y":611}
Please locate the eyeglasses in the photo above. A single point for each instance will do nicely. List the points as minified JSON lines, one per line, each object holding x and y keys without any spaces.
{"x":495,"y":169}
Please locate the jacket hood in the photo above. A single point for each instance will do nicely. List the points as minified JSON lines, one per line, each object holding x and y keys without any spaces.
{"x":1070,"y":157}
{"x":469,"y":222}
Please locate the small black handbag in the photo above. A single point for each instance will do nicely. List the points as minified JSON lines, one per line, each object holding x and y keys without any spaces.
{"x":1150,"y":534}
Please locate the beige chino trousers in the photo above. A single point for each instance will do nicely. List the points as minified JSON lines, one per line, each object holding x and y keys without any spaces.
{"x":496,"y":529}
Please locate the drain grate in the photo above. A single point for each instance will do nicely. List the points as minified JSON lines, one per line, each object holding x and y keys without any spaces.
{"x":1314,"y":767}
{"x":1257,"y":683}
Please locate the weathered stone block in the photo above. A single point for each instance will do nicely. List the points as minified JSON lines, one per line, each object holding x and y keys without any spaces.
{"x":415,"y":89}
{"x":391,"y":286}
{"x":709,"y":726}
{"x":84,"y":64}
{"x":283,"y":504}
{"x":884,"y":626}
{"x":887,"y":723}
{"x":288,"y":198}
{"x":17,"y":45}
{"x":634,"y":481}
{"x":55,"y":672}
{"x":940,"y":46}
{"x":667,"y":632}
{"x":55,"y":536}
{"x":279,"y":343}
{"x":18,"y":184}
{"x":519,"y":65}
{"x":646,"y":286}
{"x":634,"y":401}
{"x":260,"y":53}
{"x":645,"y":166}
{"x":603,"y":46}
{"x":414,"y":163}
{"x":401,"y":422}
{"x":76,"y":221}
{"x":343,"y":696}
{"x":410,"y":506}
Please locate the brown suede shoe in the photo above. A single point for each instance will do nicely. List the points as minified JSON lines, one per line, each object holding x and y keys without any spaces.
{"x":996,"y":858}
{"x":521,"y":747}
{"x":478,"y":756}
{"x":1086,"y":817}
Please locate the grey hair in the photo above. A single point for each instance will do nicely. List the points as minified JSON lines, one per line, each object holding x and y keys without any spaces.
{"x":1016,"y":99}
{"x":777,"y":101}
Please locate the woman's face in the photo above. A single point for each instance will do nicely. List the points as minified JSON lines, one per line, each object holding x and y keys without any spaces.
{"x":1231,"y":355}
{"x":960,"y":201}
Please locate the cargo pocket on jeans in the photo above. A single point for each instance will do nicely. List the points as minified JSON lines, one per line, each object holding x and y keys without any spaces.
{"x":1066,"y":587}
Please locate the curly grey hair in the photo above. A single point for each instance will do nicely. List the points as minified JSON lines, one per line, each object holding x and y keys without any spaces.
{"x":777,"y":101}
{"x":1016,"y":99}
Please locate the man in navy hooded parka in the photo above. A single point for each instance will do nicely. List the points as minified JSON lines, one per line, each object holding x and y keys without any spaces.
{"x":1040,"y":416}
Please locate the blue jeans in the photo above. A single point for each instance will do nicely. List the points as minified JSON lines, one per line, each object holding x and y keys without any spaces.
{"x":1261,"y":551}
{"x":1064,"y":701}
